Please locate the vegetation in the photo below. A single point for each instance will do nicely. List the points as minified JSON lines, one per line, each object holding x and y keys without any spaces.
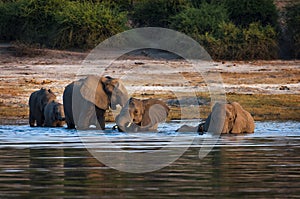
{"x":253,"y":42}
{"x":60,"y":23}
{"x":156,"y":13}
{"x":228,"y":29}
{"x":197,"y":21}
{"x":245,"y":12}
{"x":293,"y":23}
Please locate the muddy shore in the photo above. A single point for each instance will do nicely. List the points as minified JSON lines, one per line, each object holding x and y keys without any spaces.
{"x":270,"y":90}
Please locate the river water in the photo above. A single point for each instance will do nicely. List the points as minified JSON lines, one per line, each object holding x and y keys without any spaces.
{"x":55,"y":163}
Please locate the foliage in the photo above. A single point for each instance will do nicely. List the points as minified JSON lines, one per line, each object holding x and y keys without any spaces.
{"x":244,"y":12}
{"x":228,"y":29}
{"x":60,"y":23}
{"x":156,"y":13}
{"x":10,"y":22}
{"x":200,"y":20}
{"x":293,"y":22}
{"x":232,"y":42}
{"x":82,"y":25}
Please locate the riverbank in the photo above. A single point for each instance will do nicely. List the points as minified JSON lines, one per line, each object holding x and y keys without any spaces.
{"x":269,"y":90}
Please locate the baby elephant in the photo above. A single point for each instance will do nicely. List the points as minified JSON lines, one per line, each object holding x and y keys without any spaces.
{"x":54,"y":114}
{"x":37,"y":102}
{"x":142,"y":115}
{"x":226,"y":118}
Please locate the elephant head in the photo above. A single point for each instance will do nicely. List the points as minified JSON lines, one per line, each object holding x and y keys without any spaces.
{"x":237,"y":120}
{"x":104,"y":92}
{"x":142,"y":115}
{"x":45,"y":96}
{"x":58,"y":112}
{"x":54,"y":114}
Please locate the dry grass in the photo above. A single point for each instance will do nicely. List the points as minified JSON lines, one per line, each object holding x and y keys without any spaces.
{"x":269,"y":107}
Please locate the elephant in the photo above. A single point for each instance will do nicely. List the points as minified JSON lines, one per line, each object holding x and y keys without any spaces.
{"x":86,"y":100}
{"x":54,"y":114}
{"x":37,"y":102}
{"x":237,"y":120}
{"x":142,"y":115}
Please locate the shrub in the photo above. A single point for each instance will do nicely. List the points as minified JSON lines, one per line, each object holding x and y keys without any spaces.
{"x":244,"y":12}
{"x":260,"y":42}
{"x":293,"y":22}
{"x":83,"y":25}
{"x":232,"y":42}
{"x":60,"y":23}
{"x":38,"y":20}
{"x":200,"y":20}
{"x":10,"y":23}
{"x":198,"y":3}
{"x":156,"y":13}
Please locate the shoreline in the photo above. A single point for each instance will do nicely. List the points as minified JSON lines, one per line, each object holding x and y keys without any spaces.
{"x":269,"y":90}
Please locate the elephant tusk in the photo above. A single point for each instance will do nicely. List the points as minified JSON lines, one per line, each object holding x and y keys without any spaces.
{"x":129,"y":124}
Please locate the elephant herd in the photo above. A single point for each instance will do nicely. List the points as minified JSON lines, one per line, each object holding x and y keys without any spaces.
{"x":85,"y":102}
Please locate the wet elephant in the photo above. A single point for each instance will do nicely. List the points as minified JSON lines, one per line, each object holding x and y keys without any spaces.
{"x":237,"y":120}
{"x":37,"y":102}
{"x":89,"y":98}
{"x":142,"y":115}
{"x":54,"y":114}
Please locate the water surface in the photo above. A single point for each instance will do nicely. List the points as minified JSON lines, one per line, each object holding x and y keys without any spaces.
{"x":54,"y":163}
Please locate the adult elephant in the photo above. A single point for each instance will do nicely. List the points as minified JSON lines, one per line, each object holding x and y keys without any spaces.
{"x":37,"y":102}
{"x":142,"y":115}
{"x":87,"y":99}
{"x":237,"y":120}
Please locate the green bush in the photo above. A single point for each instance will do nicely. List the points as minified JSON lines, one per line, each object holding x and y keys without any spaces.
{"x":232,"y":42}
{"x":10,"y":22}
{"x":293,"y":22}
{"x":200,"y":20}
{"x":38,"y":20}
{"x":156,"y":13}
{"x":245,"y":12}
{"x":198,"y":3}
{"x":83,"y":25}
{"x":60,"y":23}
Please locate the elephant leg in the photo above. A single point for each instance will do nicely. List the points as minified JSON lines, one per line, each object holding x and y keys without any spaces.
{"x":70,"y":122}
{"x":31,"y":119}
{"x":87,"y":111}
{"x":71,"y":125}
{"x":39,"y":123}
{"x":100,"y":117}
{"x":40,"y":120}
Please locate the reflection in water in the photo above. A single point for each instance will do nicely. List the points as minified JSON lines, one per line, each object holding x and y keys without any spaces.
{"x":53,"y":163}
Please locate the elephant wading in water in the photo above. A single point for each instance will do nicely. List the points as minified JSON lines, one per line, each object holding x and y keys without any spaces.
{"x":54,"y":114}
{"x":37,"y":102}
{"x":237,"y":120}
{"x":87,"y":99}
{"x":142,"y":115}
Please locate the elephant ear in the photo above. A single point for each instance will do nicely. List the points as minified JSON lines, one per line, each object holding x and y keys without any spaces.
{"x":155,"y":111}
{"x":240,"y":121}
{"x":92,"y":90}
